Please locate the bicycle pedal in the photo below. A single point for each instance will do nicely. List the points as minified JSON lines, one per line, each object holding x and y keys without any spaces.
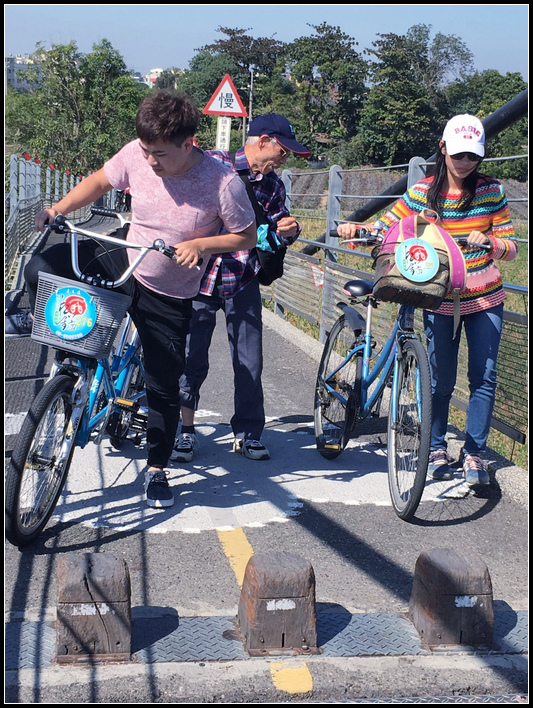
{"x":127,"y":404}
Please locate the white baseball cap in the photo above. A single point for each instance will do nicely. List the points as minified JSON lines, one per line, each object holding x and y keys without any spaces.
{"x":464,"y":133}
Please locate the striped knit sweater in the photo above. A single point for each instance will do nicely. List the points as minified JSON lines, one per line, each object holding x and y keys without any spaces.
{"x":488,"y":213}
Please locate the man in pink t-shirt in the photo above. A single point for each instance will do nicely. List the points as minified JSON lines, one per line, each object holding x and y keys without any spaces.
{"x":196,"y":206}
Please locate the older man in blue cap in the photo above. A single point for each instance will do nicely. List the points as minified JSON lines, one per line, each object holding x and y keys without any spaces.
{"x":231,"y":284}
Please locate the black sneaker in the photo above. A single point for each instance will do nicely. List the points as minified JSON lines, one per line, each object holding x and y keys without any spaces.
{"x":158,"y":492}
{"x":18,"y":324}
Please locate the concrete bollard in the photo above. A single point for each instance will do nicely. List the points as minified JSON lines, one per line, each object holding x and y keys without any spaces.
{"x":451,"y":601}
{"x":94,"y":609}
{"x":277,"y":612}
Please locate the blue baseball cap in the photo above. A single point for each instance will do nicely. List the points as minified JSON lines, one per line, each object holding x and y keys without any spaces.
{"x":278,"y":127}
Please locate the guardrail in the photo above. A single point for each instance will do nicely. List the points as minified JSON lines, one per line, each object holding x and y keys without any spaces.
{"x":32,"y":188}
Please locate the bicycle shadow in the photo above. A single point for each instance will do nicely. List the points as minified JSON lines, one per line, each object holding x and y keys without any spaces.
{"x":222,"y":488}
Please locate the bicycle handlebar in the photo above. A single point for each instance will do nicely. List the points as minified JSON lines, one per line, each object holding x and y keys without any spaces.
{"x":473,"y":245}
{"x":62,"y":225}
{"x":374,"y":236}
{"x":100,"y":211}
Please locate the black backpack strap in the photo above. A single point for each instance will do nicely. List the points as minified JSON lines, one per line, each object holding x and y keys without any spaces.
{"x":260,"y":215}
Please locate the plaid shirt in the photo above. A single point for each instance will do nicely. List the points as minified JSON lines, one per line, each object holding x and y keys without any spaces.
{"x":239,"y":268}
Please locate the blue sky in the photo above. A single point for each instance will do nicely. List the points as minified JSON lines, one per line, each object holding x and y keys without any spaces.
{"x":165,"y":36}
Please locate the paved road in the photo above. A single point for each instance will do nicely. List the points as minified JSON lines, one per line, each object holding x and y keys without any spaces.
{"x":186,"y":563}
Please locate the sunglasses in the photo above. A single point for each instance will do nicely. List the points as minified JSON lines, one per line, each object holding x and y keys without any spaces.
{"x":284,"y":152}
{"x":470,"y":155}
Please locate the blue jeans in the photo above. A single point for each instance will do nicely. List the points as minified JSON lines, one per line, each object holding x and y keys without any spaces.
{"x":483,"y":333}
{"x":245,"y":336}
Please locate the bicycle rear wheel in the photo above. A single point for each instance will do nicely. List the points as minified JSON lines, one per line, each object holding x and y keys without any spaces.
{"x":409,"y":433}
{"x":336,"y":392}
{"x":40,"y":461}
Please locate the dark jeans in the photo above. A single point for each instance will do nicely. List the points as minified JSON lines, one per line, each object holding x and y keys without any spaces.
{"x":245,"y":336}
{"x":162,"y":323}
{"x":483,"y":332}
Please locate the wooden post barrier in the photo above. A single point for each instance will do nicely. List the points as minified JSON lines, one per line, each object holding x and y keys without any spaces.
{"x":94,"y":609}
{"x":451,"y":601}
{"x":277,"y":612}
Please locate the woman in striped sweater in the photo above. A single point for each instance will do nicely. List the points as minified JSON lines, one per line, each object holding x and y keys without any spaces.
{"x":471,"y":206}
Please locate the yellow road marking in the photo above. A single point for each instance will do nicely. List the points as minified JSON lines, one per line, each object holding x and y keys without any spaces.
{"x":291,"y":678}
{"x":237,"y":549}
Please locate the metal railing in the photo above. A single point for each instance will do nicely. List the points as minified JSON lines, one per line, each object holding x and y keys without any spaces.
{"x":32,"y":188}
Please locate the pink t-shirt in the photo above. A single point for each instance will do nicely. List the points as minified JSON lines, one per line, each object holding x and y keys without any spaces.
{"x":206,"y":200}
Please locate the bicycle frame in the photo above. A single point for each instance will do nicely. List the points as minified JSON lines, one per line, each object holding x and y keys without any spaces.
{"x":109,"y":379}
{"x":387,"y":359}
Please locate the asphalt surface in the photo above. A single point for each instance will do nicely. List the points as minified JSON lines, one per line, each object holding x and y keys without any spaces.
{"x":186,"y":563}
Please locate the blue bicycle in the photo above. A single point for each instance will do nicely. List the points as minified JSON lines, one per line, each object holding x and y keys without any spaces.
{"x":95,"y":387}
{"x":352,"y":380}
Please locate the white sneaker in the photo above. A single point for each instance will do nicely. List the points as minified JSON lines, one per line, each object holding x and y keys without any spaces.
{"x":252,"y":449}
{"x":184,"y":447}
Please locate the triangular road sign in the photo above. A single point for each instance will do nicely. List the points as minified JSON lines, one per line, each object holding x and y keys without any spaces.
{"x":225,"y":101}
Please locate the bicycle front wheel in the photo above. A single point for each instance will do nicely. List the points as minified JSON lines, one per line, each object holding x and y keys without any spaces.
{"x":336,"y":391}
{"x":409,"y":429}
{"x":40,"y":461}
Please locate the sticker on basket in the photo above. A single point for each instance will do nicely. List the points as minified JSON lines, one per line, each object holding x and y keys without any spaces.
{"x":417,"y":260}
{"x":70,"y":313}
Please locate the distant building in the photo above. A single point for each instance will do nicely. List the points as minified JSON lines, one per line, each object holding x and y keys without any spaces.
{"x":15,"y":67}
{"x":140,"y":78}
{"x":152,"y":77}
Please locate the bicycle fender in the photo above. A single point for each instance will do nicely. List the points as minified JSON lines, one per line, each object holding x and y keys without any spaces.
{"x":355,"y":319}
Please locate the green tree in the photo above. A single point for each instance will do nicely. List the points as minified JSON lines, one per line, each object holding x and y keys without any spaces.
{"x":399,"y":119}
{"x":248,"y":54}
{"x":328,"y":79}
{"x":484,"y":93}
{"x":435,"y":62}
{"x":403,"y":114}
{"x":168,"y":79}
{"x":81,"y":108}
{"x":110,"y":100}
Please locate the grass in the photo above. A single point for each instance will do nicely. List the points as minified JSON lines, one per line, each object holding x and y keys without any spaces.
{"x":513,"y":272}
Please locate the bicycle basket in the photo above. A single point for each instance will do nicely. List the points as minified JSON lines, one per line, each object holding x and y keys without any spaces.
{"x":77,"y":318}
{"x":391,"y":286}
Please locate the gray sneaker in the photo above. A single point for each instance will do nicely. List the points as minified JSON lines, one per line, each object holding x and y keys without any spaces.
{"x":184,"y":447}
{"x":18,"y":324}
{"x":439,"y":465}
{"x":252,"y":449}
{"x":474,"y":471}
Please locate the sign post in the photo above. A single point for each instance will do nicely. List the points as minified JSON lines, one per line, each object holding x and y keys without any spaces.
{"x":226,"y":104}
